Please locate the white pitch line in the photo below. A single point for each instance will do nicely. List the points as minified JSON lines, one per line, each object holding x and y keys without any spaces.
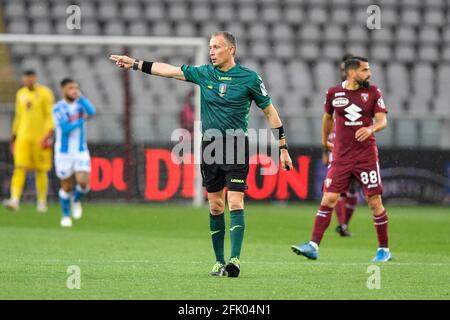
{"x":299,"y":263}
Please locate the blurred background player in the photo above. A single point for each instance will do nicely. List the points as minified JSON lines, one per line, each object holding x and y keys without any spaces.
{"x":32,"y":139}
{"x":72,"y":159}
{"x":355,"y":154}
{"x":347,"y":202}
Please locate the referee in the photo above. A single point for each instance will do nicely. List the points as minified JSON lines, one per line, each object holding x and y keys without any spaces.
{"x":227,"y":90}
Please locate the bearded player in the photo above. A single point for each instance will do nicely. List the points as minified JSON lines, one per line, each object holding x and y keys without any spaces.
{"x":354,"y":103}
{"x":347,"y":202}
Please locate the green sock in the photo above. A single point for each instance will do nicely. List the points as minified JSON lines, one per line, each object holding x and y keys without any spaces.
{"x":237,"y":228}
{"x":217,"y":227}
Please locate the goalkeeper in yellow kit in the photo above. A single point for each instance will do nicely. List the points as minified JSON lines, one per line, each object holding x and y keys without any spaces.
{"x":32,"y":139}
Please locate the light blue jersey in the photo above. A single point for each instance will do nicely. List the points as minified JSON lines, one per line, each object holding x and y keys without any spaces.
{"x":70,"y":125}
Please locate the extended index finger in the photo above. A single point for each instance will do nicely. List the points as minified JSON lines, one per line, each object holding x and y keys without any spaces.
{"x":114,"y":57}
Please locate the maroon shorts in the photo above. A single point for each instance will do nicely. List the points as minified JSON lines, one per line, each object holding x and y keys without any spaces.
{"x":340,"y":174}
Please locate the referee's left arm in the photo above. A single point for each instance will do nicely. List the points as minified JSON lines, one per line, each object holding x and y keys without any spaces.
{"x":275,"y":124}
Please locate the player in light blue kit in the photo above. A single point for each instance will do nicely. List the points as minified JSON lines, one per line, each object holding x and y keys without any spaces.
{"x":72,"y":159}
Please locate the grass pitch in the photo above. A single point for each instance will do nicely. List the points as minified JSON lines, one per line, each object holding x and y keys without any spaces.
{"x":128,"y":251}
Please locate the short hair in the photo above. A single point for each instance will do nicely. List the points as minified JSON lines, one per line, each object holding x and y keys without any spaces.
{"x":354,"y":62}
{"x":346,"y":57}
{"x":228,"y":36}
{"x":29,"y":72}
{"x":66,"y":81}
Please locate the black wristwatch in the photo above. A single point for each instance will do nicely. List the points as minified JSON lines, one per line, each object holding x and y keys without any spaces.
{"x":136,"y":65}
{"x":284,"y":146}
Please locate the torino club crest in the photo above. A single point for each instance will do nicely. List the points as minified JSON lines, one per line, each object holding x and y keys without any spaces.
{"x":365,"y":97}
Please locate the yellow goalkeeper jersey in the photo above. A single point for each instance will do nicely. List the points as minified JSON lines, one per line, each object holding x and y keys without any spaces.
{"x":33,"y":119}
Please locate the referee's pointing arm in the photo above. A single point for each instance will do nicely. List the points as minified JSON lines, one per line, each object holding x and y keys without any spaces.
{"x":153,"y":68}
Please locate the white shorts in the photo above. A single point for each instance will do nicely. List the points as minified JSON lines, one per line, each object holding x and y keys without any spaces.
{"x":67,"y":164}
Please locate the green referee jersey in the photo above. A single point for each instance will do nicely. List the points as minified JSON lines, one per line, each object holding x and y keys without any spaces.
{"x":226,"y":96}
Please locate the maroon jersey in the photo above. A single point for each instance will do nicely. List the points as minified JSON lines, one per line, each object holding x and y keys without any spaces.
{"x":353,"y":109}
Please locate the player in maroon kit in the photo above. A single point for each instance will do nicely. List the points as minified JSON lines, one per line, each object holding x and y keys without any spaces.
{"x":354,"y":103}
{"x":347,"y":202}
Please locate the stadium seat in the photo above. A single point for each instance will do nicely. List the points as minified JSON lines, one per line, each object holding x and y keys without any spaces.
{"x":418,"y":106}
{"x":441,"y":107}
{"x":435,"y":4}
{"x":406,"y":34}
{"x":201,"y":12}
{"x":88,"y":10}
{"x":259,"y":31}
{"x":445,"y":55}
{"x":357,"y":49}
{"x":90,"y":27}
{"x":429,"y":35}
{"x":378,"y":76}
{"x":284,"y":50}
{"x":381,"y":53}
{"x":178,"y":11}
{"x":107,"y":11}
{"x":18,"y":26}
{"x":382,"y":36}
{"x":208,"y":28}
{"x":299,"y":77}
{"x":131,"y":11}
{"x":238,"y":30}
{"x":333,"y":33}
{"x":248,"y":13}
{"x":161,"y":29}
{"x":282,"y":31}
{"x":358,"y":35}
{"x":411,"y":16}
{"x":385,"y":137}
{"x":300,"y":131}
{"x":434,"y":17}
{"x":341,"y":15}
{"x":430,"y":132}
{"x":138,"y":28}
{"x":293,"y":13}
{"x":389,"y":17}
{"x":185,"y":29}
{"x":317,"y":15}
{"x":405,"y":53}
{"x":395,"y":106}
{"x":428,"y":53}
{"x":310,"y":32}
{"x":443,"y":79}
{"x":332,"y":51}
{"x":406,"y":133}
{"x":154,"y":11}
{"x":309,"y":51}
{"x":14,"y":9}
{"x":38,"y":10}
{"x":271,"y":13}
{"x":42,"y":26}
{"x":325,"y":75}
{"x":115,"y":28}
{"x":422,"y":80}
{"x":260,"y":49}
{"x":398,"y":79}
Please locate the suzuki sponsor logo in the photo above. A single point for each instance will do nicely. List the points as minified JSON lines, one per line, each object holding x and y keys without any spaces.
{"x":353,"y":114}
{"x":340,"y":102}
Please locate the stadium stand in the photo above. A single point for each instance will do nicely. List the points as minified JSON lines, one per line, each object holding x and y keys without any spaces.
{"x":295,"y":45}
